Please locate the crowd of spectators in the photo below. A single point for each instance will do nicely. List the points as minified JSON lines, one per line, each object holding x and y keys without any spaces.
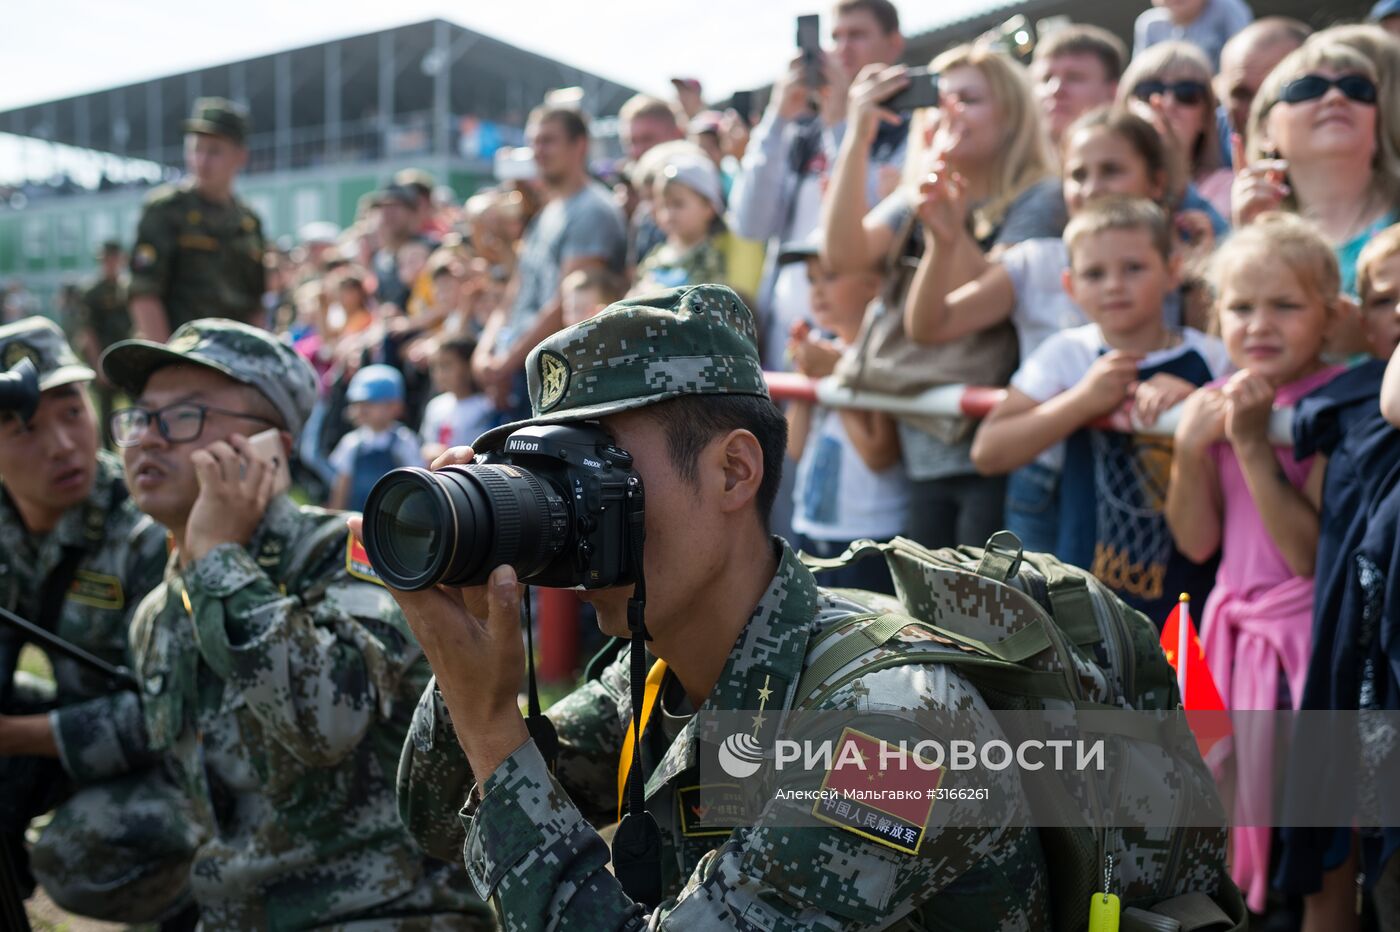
{"x":1206,"y":226}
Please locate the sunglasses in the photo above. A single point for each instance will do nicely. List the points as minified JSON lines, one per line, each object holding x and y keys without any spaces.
{"x":1189,"y":93}
{"x":1312,"y":86}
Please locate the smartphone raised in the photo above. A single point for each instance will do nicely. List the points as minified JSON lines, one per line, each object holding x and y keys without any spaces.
{"x":809,"y":40}
{"x":921,"y":92}
{"x":267,"y":446}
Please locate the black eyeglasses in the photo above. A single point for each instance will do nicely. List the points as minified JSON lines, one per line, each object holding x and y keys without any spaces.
{"x":1189,"y":93}
{"x":181,"y":422}
{"x":1312,"y":86}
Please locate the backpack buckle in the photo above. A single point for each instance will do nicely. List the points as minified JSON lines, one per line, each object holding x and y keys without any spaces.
{"x":1001,"y":558}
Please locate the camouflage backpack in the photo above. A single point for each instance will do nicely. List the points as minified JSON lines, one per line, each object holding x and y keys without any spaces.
{"x":1035,"y":634}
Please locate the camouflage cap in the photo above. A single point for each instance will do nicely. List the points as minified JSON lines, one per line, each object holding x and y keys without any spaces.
{"x":41,"y":340}
{"x":243,"y":353}
{"x":698,"y":340}
{"x":218,"y":116}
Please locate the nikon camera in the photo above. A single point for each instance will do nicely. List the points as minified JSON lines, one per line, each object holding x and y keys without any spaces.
{"x":559,"y":503}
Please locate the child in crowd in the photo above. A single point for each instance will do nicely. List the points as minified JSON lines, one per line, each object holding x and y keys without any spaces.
{"x":1278,"y":293}
{"x":458,"y":415}
{"x":688,"y":203}
{"x":349,"y":310}
{"x":585,"y":292}
{"x":1107,"y":151}
{"x":850,"y":482}
{"x":1206,"y":24}
{"x":378,"y":443}
{"x":1114,"y":484}
{"x":1378,"y":283}
{"x":1349,"y":422}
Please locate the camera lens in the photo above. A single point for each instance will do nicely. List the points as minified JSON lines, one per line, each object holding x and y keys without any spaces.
{"x":456,"y":525}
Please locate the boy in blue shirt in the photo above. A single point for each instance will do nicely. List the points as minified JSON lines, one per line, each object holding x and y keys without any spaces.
{"x":378,"y":443}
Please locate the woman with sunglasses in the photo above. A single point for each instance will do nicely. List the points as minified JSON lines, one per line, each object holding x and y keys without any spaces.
{"x":1173,"y":79}
{"x":1319,"y":146}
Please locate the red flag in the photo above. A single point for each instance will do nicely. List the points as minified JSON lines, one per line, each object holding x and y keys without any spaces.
{"x":1199,"y":693}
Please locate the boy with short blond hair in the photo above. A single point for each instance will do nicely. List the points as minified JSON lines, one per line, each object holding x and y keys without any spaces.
{"x":1128,"y":360}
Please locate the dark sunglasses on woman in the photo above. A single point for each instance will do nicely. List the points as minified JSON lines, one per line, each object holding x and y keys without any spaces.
{"x":1312,"y":86}
{"x":1189,"y":93}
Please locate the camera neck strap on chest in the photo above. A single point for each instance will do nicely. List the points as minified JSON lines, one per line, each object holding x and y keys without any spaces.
{"x":636,"y":846}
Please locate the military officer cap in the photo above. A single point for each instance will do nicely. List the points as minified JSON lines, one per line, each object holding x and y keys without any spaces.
{"x":243,"y":353}
{"x":40,"y":339}
{"x":698,"y":340}
{"x":218,"y":116}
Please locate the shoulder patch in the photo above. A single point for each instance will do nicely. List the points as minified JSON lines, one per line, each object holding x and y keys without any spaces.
{"x":357,"y":562}
{"x":144,"y":257}
{"x":878,"y":791}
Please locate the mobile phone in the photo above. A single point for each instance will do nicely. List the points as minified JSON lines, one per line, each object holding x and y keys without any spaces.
{"x":921,"y":92}
{"x":742,"y":104}
{"x":267,"y":446}
{"x":809,"y":40}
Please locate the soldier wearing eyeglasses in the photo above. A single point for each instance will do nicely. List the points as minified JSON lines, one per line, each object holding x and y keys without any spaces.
{"x":76,"y":557}
{"x":279,"y":676}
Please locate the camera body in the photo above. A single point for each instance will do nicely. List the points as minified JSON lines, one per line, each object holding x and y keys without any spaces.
{"x":559,"y":503}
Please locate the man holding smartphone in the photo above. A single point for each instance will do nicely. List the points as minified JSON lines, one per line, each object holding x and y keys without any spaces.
{"x":777,"y":192}
{"x":279,"y":676}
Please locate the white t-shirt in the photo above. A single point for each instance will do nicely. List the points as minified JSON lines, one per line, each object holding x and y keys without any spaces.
{"x":453,"y":421}
{"x":1036,"y":268}
{"x":838,"y":497}
{"x":1060,"y":362}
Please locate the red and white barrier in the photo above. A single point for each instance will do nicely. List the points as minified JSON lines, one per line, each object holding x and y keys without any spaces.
{"x":971,"y":401}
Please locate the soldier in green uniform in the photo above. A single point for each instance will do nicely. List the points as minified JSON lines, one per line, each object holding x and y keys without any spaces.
{"x":199,"y":249}
{"x":279,"y":676}
{"x":103,"y":319}
{"x":76,"y":557}
{"x":735,"y":618}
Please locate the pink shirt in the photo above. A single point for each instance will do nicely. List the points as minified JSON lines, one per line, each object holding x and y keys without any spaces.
{"x":1250,"y":561}
{"x":1256,"y":628}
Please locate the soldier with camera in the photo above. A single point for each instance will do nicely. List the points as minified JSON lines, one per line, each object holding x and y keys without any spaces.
{"x":662,"y":396}
{"x":278,"y":676}
{"x":76,"y":557}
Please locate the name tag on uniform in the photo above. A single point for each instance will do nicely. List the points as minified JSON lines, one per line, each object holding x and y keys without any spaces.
{"x":97,"y":590}
{"x":197,"y":241}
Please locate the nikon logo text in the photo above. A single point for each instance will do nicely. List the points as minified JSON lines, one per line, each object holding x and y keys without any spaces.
{"x":524,"y":446}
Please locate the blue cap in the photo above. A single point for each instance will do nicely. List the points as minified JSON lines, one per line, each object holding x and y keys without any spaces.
{"x":375,"y":383}
{"x":1383,"y":9}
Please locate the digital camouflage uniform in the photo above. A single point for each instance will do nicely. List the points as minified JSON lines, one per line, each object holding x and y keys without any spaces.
{"x":528,"y":842}
{"x":199,"y":258}
{"x":280,"y":680}
{"x":120,"y":841}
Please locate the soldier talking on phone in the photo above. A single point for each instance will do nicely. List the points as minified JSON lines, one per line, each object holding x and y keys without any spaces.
{"x":279,"y":676}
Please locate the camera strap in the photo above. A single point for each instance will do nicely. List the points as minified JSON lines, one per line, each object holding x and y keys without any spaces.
{"x":540,"y":727}
{"x":636,"y":846}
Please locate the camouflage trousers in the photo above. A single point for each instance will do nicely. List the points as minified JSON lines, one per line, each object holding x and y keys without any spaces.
{"x":118,"y":850}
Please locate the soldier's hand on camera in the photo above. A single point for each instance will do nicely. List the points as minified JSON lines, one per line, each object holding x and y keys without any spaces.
{"x":234,"y":489}
{"x":471,"y":637}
